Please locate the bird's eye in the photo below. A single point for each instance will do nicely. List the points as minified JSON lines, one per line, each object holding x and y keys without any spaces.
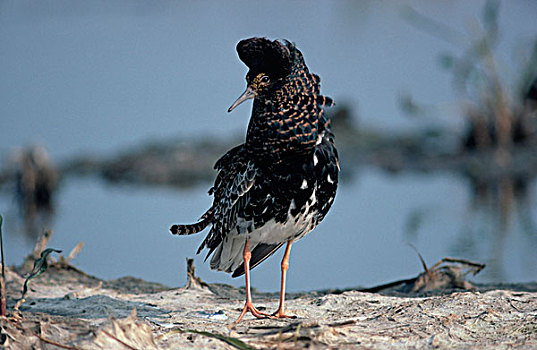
{"x":264,"y":79}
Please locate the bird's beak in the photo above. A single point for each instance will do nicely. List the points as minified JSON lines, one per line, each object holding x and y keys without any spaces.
{"x":246,"y":95}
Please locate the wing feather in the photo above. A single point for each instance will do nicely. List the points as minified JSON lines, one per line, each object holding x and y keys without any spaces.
{"x":236,"y":177}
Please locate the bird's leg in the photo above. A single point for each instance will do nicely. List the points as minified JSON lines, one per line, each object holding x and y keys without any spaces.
{"x":249,"y":306}
{"x":280,"y":313}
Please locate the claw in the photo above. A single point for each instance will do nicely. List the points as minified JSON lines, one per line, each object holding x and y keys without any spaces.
{"x":250,"y":307}
{"x":280,"y":314}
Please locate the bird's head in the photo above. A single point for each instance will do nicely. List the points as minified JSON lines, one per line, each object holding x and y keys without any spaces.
{"x":269,"y":63}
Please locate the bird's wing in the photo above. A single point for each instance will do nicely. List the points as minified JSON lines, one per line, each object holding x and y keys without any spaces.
{"x":236,"y":197}
{"x":236,"y":177}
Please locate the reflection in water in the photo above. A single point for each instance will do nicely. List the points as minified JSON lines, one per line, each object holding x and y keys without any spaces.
{"x":36,"y":184}
{"x":87,"y":76}
{"x":497,"y":150}
{"x":495,"y":208}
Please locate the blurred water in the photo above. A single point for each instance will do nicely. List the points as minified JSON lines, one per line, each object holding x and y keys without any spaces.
{"x":101,"y":76}
{"x":95,"y":76}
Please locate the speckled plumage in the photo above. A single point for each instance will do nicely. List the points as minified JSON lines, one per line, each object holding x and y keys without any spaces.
{"x":280,"y":183}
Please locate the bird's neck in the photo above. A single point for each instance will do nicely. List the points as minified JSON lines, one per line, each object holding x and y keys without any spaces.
{"x":277,"y":134}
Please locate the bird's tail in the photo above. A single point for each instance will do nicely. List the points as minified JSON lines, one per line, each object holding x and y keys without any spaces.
{"x":190,"y":229}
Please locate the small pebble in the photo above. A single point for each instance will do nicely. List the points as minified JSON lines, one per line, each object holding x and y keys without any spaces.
{"x":219,"y":315}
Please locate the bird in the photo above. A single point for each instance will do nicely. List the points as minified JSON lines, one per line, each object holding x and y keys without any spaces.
{"x":279,"y":184}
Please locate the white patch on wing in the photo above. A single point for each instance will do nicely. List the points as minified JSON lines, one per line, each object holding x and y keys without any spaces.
{"x":304,"y":184}
{"x":313,"y":198}
{"x":315,"y":160}
{"x":292,"y":206}
{"x":329,"y":179}
{"x":319,"y":139}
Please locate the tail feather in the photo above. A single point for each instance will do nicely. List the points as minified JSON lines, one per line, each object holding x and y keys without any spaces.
{"x":193,"y":228}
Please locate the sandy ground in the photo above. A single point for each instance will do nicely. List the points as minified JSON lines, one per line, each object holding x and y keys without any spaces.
{"x":67,"y":309}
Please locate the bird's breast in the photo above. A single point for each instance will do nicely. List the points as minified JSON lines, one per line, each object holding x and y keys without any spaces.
{"x":290,"y":200}
{"x":282,"y":131}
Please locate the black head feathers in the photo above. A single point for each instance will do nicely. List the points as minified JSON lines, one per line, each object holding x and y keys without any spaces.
{"x":265,"y":56}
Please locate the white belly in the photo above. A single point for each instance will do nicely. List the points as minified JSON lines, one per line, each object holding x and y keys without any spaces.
{"x":229,"y":254}
{"x":294,"y":228}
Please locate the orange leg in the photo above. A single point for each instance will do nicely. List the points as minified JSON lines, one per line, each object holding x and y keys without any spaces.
{"x":280,"y":313}
{"x":249,"y":306}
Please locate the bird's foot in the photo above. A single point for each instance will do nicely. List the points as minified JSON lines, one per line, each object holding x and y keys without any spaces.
{"x":281,"y":314}
{"x":250,"y":307}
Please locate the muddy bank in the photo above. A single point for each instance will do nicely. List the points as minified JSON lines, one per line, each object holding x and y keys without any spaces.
{"x":65,"y":308}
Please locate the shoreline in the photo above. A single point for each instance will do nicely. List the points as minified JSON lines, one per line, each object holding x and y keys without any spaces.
{"x":66,"y":308}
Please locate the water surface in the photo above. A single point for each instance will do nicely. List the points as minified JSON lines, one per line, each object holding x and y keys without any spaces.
{"x":100,"y":77}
